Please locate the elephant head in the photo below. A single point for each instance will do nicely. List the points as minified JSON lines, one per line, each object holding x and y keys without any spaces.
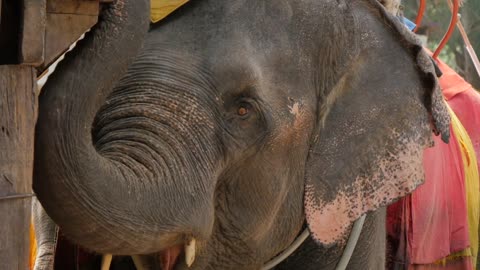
{"x":235,"y":122}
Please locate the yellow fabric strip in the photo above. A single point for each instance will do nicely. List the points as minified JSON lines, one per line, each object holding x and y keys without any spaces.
{"x":472,"y":184}
{"x":454,"y":256}
{"x":472,"y":189}
{"x":160,"y":9}
{"x":33,"y":247}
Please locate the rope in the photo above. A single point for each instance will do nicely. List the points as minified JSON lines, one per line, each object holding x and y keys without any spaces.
{"x":17,"y":196}
{"x":466,"y":40}
{"x":347,"y":252}
{"x":282,"y":256}
{"x":352,"y":242}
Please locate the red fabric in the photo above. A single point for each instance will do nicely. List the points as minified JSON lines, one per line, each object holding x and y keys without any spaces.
{"x":465,"y":102}
{"x":431,"y":223}
{"x":438,"y":211}
{"x":466,"y":106}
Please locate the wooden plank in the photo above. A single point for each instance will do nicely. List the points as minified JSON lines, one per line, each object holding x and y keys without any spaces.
{"x":32,"y":37}
{"x":17,"y":121}
{"x":67,"y":20}
{"x":78,"y":7}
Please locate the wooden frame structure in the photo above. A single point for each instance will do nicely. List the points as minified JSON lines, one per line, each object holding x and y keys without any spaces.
{"x":33,"y":34}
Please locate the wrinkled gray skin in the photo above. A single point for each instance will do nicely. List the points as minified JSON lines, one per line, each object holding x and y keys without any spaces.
{"x":46,"y":236}
{"x":172,"y":155}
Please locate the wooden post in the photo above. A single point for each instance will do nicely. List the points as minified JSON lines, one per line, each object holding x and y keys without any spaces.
{"x":32,"y":39}
{"x":17,"y":122}
{"x":67,"y":20}
{"x":33,"y":35}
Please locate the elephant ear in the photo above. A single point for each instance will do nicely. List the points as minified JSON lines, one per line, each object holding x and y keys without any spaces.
{"x":373,"y":126}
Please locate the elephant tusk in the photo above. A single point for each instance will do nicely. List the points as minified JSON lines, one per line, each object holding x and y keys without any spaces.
{"x":106,"y":261}
{"x":190,"y":252}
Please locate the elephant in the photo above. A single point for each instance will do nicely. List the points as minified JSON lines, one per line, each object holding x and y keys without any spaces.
{"x":46,"y":233}
{"x":212,"y":139}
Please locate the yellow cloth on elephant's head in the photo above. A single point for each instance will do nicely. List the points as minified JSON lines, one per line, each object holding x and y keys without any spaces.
{"x":159,"y":9}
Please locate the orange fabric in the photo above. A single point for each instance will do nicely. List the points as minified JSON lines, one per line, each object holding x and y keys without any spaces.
{"x":451,"y":83}
{"x":33,"y":247}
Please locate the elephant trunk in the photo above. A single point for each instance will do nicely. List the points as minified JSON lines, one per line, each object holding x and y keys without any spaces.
{"x":92,"y":197}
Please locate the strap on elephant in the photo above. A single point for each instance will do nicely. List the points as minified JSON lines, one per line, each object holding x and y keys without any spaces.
{"x":347,"y":252}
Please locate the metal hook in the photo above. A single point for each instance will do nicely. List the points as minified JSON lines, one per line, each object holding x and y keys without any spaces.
{"x":451,"y":28}
{"x":421,"y":11}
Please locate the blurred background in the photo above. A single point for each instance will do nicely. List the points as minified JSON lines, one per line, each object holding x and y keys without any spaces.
{"x":434,"y":25}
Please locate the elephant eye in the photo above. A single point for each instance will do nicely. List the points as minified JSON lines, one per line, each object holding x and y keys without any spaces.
{"x":243,"y":109}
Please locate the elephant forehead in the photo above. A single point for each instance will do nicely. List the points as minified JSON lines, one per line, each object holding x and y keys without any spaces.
{"x":224,"y":33}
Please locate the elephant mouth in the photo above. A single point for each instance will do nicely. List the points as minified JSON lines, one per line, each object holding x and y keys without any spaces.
{"x":169,"y":257}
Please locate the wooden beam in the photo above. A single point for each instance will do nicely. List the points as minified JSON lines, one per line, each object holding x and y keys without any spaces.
{"x":67,"y":20}
{"x":32,"y":36}
{"x":78,"y":7}
{"x":17,"y":122}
